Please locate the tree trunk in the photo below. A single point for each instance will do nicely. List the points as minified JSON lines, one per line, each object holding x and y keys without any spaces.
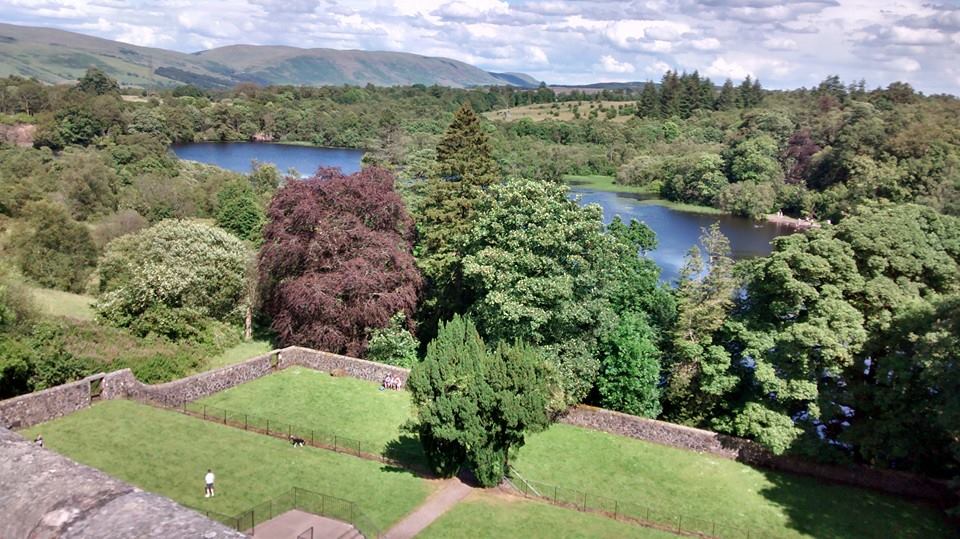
{"x":248,"y":324}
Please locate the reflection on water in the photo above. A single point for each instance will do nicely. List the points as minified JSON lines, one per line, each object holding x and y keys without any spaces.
{"x":677,"y":231}
{"x":237,"y":156}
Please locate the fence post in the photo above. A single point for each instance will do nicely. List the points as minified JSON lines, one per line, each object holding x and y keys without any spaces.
{"x":351,"y":513}
{"x":648,"y":514}
{"x":295,"y":506}
{"x":204,"y":411}
{"x":679,"y":523}
{"x":268,"y":427}
{"x":323,"y":508}
{"x":358,"y":448}
{"x":244,"y":421}
{"x":311,"y":437}
{"x":554,"y":494}
{"x":584,"y":501}
{"x":224,"y":417}
{"x":616,"y":509}
{"x":714,"y":531}
{"x":334,"y":442}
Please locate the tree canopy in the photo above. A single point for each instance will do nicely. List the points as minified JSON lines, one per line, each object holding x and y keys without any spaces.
{"x":473,"y":406}
{"x":336,"y":260}
{"x":169,"y":278}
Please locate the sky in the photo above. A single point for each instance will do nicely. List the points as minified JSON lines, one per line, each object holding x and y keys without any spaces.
{"x":786,"y":44}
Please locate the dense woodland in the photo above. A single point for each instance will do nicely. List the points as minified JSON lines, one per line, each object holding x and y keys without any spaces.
{"x":458,"y":251}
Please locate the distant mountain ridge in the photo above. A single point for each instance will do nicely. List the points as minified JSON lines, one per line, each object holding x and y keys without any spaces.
{"x":57,"y":56}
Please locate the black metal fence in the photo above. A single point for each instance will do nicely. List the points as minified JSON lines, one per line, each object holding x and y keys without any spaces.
{"x":622,"y":510}
{"x":310,"y":435}
{"x":304,"y":500}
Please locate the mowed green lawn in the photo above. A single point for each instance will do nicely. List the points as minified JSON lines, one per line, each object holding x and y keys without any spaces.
{"x":669,"y":481}
{"x":348,"y":407}
{"x":483,"y":515}
{"x":168,"y":453}
{"x":675,"y":482}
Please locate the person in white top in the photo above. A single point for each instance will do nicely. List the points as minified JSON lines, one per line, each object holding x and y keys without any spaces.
{"x":208,"y":479}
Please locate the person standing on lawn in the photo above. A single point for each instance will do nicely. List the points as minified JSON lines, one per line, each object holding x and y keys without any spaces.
{"x":208,"y":479}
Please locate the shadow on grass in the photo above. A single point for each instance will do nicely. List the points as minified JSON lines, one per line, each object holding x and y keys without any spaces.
{"x":822,"y":509}
{"x":408,"y":453}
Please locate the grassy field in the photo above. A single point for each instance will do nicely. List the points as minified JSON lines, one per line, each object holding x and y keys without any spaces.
{"x":58,"y":303}
{"x":599,"y":182}
{"x":670,"y":481}
{"x":168,"y":453}
{"x":545,"y":111}
{"x":343,"y":406}
{"x":608,"y":184}
{"x":483,"y":515}
{"x":675,"y":482}
{"x":238,"y":353}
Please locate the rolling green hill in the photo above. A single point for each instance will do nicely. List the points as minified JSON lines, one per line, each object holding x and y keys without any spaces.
{"x":56,"y":56}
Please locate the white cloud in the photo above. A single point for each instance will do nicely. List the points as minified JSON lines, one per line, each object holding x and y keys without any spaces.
{"x":779,"y":44}
{"x":562,"y":42}
{"x":721,"y":68}
{"x":907,"y":65}
{"x":706,"y":44}
{"x":610,"y":64}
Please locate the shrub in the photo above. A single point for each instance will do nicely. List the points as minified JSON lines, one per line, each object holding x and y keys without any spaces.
{"x":53,"y":249}
{"x":167,"y":278}
{"x":394,"y":344}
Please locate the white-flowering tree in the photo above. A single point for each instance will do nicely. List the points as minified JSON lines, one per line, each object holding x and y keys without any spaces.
{"x":172,"y":277}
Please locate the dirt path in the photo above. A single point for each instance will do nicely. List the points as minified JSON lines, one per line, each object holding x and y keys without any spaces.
{"x":437,"y":504}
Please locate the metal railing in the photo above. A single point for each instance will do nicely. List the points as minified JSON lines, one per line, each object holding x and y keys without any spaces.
{"x":663,"y":519}
{"x":302,"y":499}
{"x":310,"y":435}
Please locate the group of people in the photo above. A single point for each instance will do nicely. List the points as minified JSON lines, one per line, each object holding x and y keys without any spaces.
{"x":391,"y":382}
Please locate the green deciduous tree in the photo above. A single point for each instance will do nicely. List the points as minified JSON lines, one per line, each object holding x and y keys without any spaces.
{"x":239,"y":211}
{"x":536,"y":264}
{"x":53,"y":249}
{"x":473,"y":406}
{"x":630,"y":368}
{"x":96,"y":82}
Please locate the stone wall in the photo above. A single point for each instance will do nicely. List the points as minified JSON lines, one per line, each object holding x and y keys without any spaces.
{"x":28,"y":410}
{"x":45,"y":495}
{"x":890,"y":481}
{"x":356,"y":368}
{"x":123,"y":385}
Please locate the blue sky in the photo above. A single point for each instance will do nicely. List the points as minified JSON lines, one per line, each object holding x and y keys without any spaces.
{"x":785,"y":44}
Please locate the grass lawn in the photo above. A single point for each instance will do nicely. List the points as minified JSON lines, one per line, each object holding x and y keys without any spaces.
{"x":58,"y":303}
{"x":606,"y":183}
{"x":672,"y":481}
{"x":669,"y":481}
{"x":238,"y":353}
{"x":484,"y":515}
{"x":168,"y":453}
{"x":344,"y":406}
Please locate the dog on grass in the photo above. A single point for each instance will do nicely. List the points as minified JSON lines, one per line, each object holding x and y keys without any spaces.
{"x":297,"y":442}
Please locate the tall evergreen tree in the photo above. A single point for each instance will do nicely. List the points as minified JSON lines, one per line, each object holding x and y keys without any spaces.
{"x":465,"y":168}
{"x":699,"y":369}
{"x":670,"y":94}
{"x":727,"y":100}
{"x":745,"y":93}
{"x":649,"y":104}
{"x":472,"y":406}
